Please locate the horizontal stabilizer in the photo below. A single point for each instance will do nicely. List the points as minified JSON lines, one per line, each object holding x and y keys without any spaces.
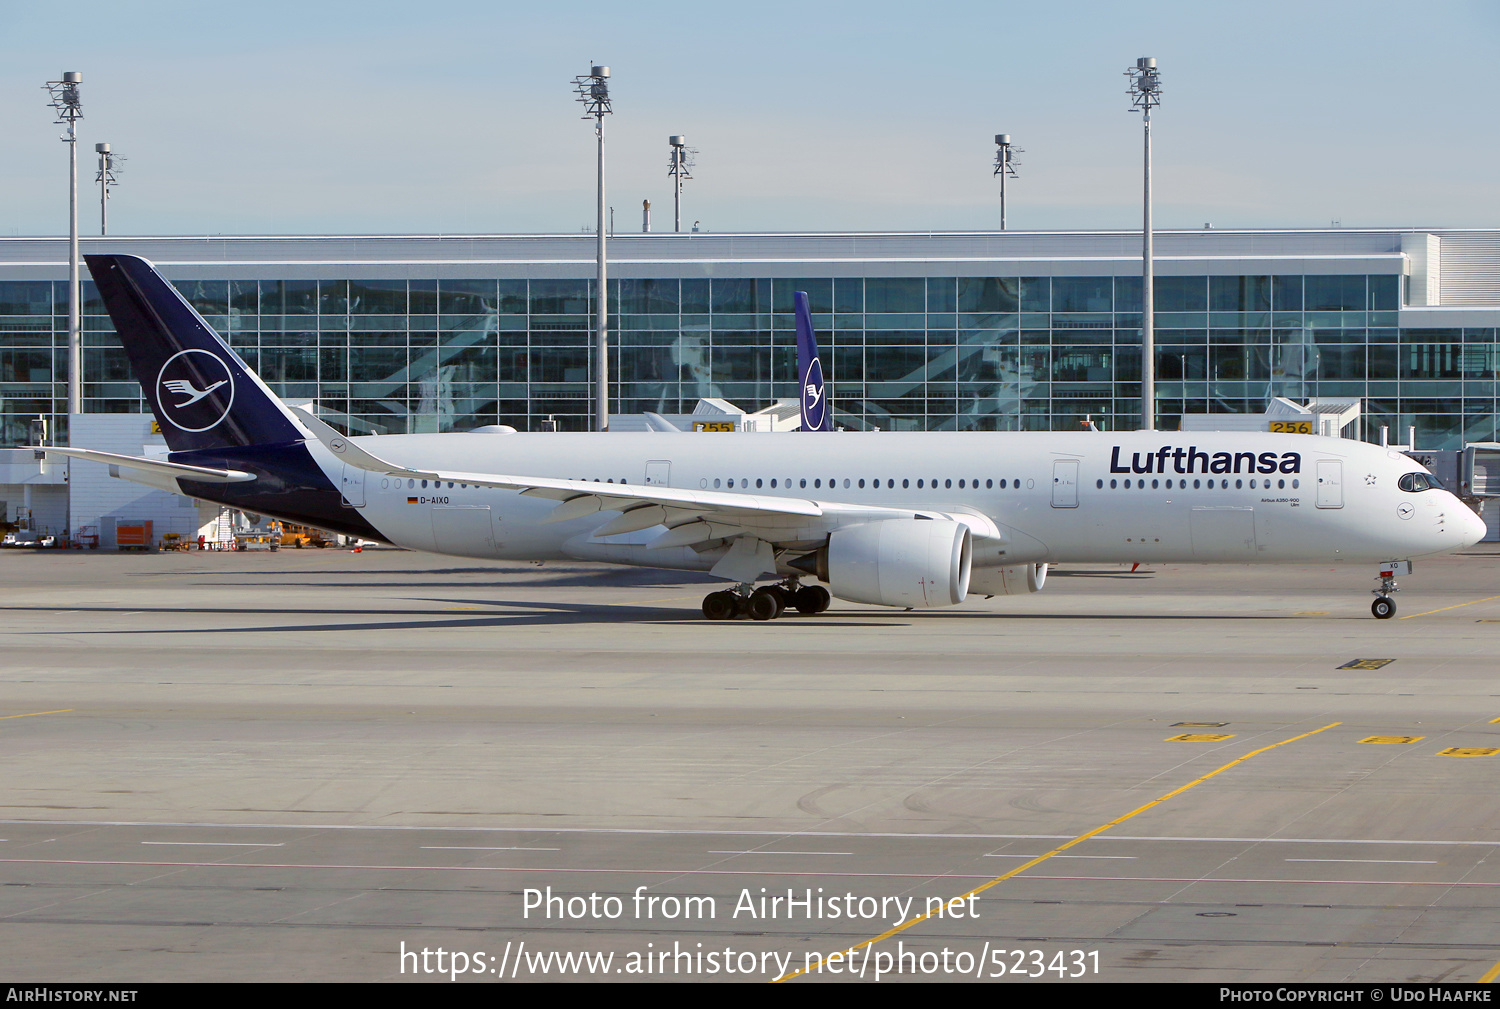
{"x":201,"y":474}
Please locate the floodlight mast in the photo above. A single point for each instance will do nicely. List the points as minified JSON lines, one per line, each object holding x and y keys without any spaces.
{"x":593,"y":92}
{"x":1145,"y":94}
{"x":1005,"y":164}
{"x":679,"y":167}
{"x":109,"y":163}
{"x":69,"y":106}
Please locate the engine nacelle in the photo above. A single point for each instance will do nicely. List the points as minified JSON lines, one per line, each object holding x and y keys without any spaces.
{"x":899,"y":562}
{"x":1010,"y":580}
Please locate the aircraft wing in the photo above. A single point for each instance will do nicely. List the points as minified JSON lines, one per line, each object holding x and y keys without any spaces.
{"x":159,"y":467}
{"x":691,"y":516}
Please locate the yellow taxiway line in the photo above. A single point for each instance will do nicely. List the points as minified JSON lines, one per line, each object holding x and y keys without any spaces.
{"x":1064,"y":847}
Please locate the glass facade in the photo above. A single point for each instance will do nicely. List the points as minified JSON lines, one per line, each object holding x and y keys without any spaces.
{"x":901,"y":353}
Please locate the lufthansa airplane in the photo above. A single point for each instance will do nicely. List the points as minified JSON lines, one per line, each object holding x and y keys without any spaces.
{"x":899,"y":519}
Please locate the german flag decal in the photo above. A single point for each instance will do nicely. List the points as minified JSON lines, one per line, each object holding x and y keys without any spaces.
{"x":411,"y":500}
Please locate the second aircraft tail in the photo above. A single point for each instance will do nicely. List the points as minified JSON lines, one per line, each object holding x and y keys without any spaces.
{"x":817,"y":415}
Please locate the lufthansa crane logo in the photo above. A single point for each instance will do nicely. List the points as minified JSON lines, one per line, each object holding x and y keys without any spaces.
{"x":195,"y":390}
{"x":813,"y":405}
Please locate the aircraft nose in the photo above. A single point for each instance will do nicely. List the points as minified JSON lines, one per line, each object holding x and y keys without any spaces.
{"x":1472,"y":528}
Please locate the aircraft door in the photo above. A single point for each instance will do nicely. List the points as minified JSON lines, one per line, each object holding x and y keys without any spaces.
{"x":1330,"y":483}
{"x":1065,"y":483}
{"x":353,"y":486}
{"x":659,"y":473}
{"x":463,"y":530}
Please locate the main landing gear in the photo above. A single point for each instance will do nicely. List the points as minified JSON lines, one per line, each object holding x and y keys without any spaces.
{"x":765,"y":603}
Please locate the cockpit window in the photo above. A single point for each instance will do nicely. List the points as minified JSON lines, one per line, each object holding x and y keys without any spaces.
{"x":1415,"y":482}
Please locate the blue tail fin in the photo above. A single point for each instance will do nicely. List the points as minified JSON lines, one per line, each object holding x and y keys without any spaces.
{"x":203,"y":395}
{"x":817,"y":415}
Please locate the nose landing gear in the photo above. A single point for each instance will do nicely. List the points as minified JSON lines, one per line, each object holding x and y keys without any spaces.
{"x":1384,"y":607}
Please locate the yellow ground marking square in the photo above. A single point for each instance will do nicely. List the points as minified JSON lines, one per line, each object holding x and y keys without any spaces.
{"x":1200,"y":738}
{"x":1366,"y":663}
{"x":1469,"y":751}
{"x":1494,"y":721}
{"x":1199,"y":725}
{"x":1391,"y":739}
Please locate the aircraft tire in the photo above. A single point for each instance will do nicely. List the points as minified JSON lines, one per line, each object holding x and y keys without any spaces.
{"x":811,"y":599}
{"x":765,"y":604}
{"x":1384,"y":607}
{"x":723,"y":605}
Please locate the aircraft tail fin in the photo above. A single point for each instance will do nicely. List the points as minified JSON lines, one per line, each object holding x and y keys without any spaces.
{"x":203,"y":394}
{"x":817,"y":415}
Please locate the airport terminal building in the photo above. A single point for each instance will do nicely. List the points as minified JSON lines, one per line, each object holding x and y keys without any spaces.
{"x":940,"y":331}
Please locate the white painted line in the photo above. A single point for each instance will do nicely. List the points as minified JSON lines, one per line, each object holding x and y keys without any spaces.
{"x":1369,"y":861}
{"x":1004,"y":855}
{"x":781,"y":852}
{"x":735,"y":833}
{"x":223,"y":844}
{"x":475,"y":847}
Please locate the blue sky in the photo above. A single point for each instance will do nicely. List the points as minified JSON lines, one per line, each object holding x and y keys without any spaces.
{"x":459,"y":117}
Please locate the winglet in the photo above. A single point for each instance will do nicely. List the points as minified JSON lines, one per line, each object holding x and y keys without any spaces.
{"x":816,"y":415}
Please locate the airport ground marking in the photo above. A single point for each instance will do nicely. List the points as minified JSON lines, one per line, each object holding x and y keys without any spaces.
{"x":33,"y":714}
{"x":1489,"y":976}
{"x":1455,"y":606}
{"x":1469,"y":751}
{"x":960,"y":901}
{"x":1391,"y":739}
{"x":393,"y":827}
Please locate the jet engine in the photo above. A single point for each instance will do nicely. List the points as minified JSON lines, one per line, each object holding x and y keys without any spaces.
{"x":1010,"y":580}
{"x":896,"y":562}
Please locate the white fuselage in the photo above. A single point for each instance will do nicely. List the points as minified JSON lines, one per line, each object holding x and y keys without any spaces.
{"x":1055,"y":497}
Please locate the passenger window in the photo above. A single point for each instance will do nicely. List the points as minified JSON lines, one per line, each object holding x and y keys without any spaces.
{"x":919,"y":485}
{"x":773,"y":481}
{"x":1239,"y":484}
{"x":905,"y":484}
{"x":1099,"y":484}
{"x":1196,"y":485}
{"x":846,"y":483}
{"x":1153,"y":485}
{"x":803,"y":482}
{"x":1113,"y":484}
{"x":757,"y":480}
{"x":861,"y":483}
{"x":716,"y":483}
{"x":989,"y":484}
{"x":1002,"y":484}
